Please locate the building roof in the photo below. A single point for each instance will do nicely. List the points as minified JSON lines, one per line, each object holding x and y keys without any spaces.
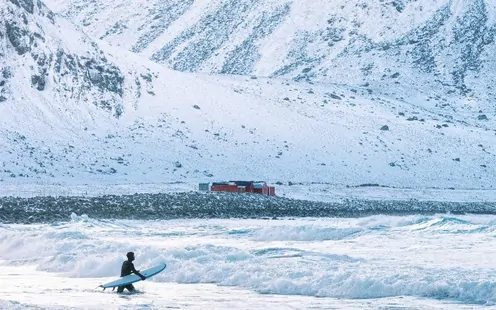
{"x":219,"y":183}
{"x":242,"y":183}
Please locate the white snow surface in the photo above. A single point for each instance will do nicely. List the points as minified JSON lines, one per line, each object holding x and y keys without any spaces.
{"x":433,"y":46}
{"x":378,"y":262}
{"x":167,"y":126}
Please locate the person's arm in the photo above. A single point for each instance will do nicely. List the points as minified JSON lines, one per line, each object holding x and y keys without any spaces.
{"x":137,"y":272}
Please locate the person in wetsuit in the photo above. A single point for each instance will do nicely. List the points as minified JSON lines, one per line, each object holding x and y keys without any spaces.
{"x":127,"y":269}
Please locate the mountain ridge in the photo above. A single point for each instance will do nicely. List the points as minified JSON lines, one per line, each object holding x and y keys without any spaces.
{"x":82,"y":110}
{"x":443,"y":44}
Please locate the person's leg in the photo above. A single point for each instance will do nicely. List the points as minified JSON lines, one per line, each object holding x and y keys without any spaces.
{"x":120,"y":289}
{"x":130,"y":287}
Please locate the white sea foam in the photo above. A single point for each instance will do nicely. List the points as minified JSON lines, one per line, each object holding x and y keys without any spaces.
{"x":13,"y":305}
{"x":442,"y":257}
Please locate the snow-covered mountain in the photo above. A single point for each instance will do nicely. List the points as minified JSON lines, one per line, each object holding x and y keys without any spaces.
{"x":75,"y":109}
{"x":440,"y":47}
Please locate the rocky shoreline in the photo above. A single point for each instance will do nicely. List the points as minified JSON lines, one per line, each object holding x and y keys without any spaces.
{"x":213,"y":205}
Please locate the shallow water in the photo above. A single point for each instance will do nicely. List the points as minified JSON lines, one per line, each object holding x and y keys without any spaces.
{"x":378,"y":262}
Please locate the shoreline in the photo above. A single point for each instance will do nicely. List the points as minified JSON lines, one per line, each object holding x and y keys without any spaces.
{"x":309,"y":191}
{"x":189,"y":205}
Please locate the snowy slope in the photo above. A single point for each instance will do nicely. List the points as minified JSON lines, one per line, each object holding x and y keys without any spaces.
{"x":76,"y":110}
{"x":444,"y":49}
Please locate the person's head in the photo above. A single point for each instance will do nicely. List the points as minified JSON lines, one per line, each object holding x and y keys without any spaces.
{"x":130,"y":256}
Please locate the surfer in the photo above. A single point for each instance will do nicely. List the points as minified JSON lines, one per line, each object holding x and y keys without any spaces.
{"x":127,"y":269}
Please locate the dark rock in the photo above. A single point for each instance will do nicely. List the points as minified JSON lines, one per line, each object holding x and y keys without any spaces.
{"x":25,"y":4}
{"x":385,"y":127}
{"x":38,"y":82}
{"x":17,"y":38}
{"x":398,"y":5}
{"x":118,"y":110}
{"x":482,"y":117}
{"x":369,"y":185}
{"x":147,"y":77}
{"x":106,"y":77}
{"x":105,"y":104}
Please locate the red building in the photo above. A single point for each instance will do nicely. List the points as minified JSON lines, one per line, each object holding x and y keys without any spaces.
{"x":244,"y":187}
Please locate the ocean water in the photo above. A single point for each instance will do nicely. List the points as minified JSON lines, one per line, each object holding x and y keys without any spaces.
{"x":379,"y":262}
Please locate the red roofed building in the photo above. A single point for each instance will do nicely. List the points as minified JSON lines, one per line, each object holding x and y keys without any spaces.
{"x":258,"y":187}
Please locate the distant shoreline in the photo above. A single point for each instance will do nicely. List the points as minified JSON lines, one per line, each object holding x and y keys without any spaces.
{"x":312,"y":191}
{"x":187,"y":205}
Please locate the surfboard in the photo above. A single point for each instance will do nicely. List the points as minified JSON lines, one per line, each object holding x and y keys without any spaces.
{"x":150,"y":272}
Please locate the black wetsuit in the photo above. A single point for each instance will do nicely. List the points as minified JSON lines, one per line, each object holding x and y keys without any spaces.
{"x":127,"y":269}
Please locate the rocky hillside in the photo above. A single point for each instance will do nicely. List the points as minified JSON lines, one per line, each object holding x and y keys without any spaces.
{"x":58,"y":65}
{"x":442,"y":49}
{"x":75,"y":109}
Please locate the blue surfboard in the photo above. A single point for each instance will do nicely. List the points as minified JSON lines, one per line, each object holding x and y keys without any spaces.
{"x":150,"y":272}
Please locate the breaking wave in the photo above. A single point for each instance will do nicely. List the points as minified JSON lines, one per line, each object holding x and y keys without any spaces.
{"x":312,"y":257}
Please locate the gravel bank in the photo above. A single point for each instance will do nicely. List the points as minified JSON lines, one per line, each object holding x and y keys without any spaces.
{"x":214,"y":205}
